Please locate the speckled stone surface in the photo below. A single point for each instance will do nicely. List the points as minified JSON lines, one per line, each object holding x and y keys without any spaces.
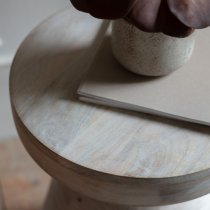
{"x":24,"y":184}
{"x":151,"y":54}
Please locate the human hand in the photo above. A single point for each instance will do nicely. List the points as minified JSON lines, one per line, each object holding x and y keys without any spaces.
{"x":172,"y":17}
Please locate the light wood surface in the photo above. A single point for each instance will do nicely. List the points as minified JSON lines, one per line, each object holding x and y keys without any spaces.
{"x":108,"y":154}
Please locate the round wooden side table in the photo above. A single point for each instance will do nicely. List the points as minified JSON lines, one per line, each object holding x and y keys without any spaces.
{"x":100,"y":157}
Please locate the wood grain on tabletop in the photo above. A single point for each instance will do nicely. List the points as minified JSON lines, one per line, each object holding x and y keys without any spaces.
{"x":132,"y":155}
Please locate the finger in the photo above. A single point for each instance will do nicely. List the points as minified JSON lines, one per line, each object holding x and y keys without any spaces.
{"x":193,"y":13}
{"x":104,"y":9}
{"x":80,"y":5}
{"x":144,"y":14}
{"x":169,"y":24}
{"x":155,"y":16}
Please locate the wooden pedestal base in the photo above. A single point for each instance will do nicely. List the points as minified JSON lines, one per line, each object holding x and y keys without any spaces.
{"x":62,"y":198}
{"x":1,"y":199}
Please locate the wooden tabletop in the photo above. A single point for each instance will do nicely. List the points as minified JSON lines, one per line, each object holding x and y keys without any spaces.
{"x":164,"y":158}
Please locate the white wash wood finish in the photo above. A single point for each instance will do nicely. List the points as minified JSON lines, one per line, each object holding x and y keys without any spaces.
{"x":108,"y":154}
